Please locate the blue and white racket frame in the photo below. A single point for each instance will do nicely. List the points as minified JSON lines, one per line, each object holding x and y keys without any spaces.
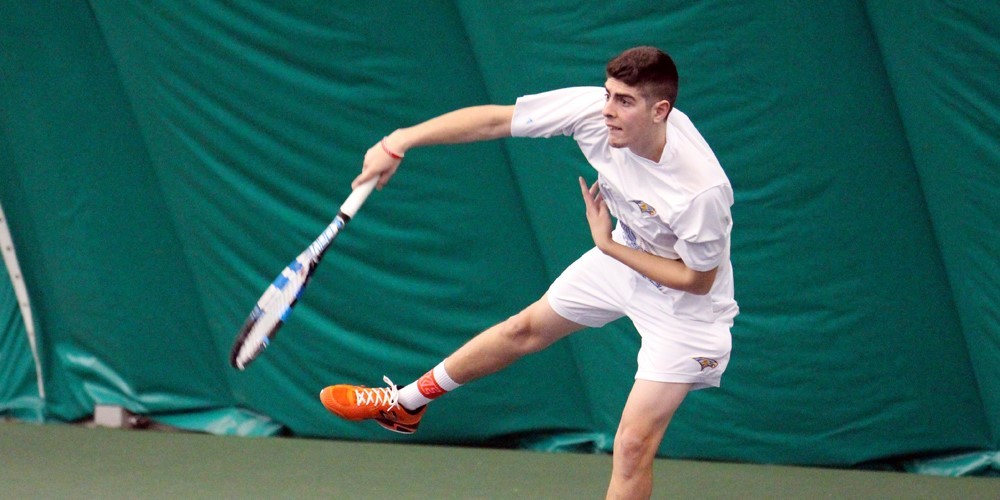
{"x":276,"y":304}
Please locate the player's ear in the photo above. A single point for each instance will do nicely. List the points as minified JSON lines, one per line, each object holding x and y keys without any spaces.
{"x":661,"y":109}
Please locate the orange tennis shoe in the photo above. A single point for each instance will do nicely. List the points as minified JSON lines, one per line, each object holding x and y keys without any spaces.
{"x":355,"y":402}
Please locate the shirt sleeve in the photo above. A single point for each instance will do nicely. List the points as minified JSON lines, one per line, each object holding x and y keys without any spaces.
{"x":703,"y":229}
{"x":557,"y":112}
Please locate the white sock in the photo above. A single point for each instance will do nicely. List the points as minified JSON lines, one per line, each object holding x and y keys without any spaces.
{"x":427,"y":388}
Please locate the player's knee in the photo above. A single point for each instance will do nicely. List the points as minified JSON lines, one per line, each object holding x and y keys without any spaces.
{"x":519,"y":332}
{"x":633,"y":452}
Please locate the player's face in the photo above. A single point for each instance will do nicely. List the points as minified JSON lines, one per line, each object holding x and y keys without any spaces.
{"x":630,"y":118}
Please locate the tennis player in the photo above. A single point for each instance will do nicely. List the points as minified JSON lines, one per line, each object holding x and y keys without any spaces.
{"x":665,"y":264}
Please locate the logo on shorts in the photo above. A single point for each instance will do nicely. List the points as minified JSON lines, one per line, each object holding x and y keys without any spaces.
{"x":706,"y":363}
{"x":645,"y":208}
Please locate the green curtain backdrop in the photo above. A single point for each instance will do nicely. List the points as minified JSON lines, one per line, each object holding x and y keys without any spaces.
{"x":163,"y":160}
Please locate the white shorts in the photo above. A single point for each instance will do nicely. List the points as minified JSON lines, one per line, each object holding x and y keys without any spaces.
{"x":597,"y":289}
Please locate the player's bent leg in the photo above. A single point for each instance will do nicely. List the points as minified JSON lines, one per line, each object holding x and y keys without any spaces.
{"x":531,"y":330}
{"x":647,"y":413}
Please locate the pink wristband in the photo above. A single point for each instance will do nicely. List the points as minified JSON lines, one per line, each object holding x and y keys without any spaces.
{"x":390,"y":153}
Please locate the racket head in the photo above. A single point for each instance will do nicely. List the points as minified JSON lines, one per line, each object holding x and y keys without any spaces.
{"x":271,"y":311}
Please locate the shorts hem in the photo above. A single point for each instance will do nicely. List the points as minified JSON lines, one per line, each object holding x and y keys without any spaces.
{"x":564,"y":312}
{"x":679,"y":378}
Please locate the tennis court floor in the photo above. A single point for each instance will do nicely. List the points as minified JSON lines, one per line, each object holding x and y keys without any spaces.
{"x":66,"y":461}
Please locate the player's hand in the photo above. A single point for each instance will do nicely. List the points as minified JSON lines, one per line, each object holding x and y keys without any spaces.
{"x":379,"y":162}
{"x":598,"y":216}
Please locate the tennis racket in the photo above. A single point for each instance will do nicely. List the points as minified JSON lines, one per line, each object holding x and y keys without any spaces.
{"x":274,"y":307}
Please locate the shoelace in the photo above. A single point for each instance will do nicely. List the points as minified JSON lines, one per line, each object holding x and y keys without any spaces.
{"x":385,"y":395}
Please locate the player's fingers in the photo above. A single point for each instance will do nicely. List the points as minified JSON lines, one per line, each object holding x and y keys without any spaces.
{"x":367,"y":171}
{"x":384,"y":178}
{"x":361,"y":178}
{"x":584,"y":191}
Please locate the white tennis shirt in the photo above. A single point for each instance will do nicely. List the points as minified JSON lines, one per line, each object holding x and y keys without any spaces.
{"x":677,"y":208}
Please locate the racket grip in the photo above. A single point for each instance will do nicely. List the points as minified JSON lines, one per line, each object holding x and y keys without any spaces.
{"x":357,"y":198}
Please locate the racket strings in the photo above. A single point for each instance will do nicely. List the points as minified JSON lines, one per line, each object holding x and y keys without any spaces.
{"x":274,"y":308}
{"x":380,"y":396}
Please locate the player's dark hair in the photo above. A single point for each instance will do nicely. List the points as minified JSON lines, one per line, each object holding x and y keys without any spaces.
{"x":647,"y":68}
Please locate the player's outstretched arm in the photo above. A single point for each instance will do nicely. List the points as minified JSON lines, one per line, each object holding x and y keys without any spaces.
{"x":472,"y":124}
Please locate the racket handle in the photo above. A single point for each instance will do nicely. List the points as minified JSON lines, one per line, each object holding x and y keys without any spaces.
{"x":357,"y":198}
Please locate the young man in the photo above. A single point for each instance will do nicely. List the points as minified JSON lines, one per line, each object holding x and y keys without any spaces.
{"x":666,"y":265}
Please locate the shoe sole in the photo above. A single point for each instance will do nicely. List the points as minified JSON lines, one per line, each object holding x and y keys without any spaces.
{"x":396,"y":426}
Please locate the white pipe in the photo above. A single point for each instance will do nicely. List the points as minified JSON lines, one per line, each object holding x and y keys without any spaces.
{"x":21,"y":292}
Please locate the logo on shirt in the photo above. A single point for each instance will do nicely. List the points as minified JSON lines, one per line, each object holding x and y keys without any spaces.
{"x":645,"y":208}
{"x":706,"y":363}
